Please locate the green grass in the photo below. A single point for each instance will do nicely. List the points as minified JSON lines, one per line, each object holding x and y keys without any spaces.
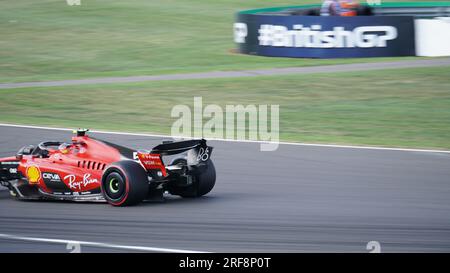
{"x":49,"y":40}
{"x":403,"y":108}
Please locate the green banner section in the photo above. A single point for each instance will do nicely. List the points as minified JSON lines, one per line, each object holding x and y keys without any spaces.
{"x":383,"y":5}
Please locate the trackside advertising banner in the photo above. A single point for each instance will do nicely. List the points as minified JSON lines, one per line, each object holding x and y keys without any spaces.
{"x":324,"y":37}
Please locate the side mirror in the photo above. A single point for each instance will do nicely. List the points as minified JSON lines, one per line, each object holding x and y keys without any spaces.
{"x":26,"y":150}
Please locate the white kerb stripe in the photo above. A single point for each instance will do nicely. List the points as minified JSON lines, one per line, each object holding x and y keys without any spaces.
{"x":96,"y":244}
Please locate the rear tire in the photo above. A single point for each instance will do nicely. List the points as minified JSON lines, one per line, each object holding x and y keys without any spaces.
{"x":202,"y":183}
{"x":207,"y":179}
{"x":125,"y":183}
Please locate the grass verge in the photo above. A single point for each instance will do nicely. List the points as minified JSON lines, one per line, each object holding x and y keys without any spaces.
{"x":402,"y":107}
{"x":49,"y":40}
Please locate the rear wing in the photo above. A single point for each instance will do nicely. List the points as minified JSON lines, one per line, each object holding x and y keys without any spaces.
{"x":177,"y":147}
{"x":197,"y":150}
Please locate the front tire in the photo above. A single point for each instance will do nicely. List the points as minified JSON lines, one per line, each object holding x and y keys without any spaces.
{"x":125,"y":183}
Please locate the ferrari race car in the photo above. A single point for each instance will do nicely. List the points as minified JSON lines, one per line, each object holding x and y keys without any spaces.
{"x":89,"y":169}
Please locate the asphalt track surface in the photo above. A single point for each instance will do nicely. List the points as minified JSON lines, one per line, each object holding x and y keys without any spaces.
{"x":296,"y":199}
{"x":240,"y":74}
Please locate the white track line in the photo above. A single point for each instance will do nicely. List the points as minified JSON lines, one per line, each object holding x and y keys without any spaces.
{"x":96,"y":244}
{"x":233,"y":140}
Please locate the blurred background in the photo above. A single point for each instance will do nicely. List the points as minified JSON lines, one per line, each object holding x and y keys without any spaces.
{"x":51,"y":40}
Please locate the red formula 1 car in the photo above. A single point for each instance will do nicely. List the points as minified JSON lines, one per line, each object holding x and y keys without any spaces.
{"x":89,"y":169}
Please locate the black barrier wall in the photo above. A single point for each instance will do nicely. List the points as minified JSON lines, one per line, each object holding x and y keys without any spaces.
{"x":324,"y":37}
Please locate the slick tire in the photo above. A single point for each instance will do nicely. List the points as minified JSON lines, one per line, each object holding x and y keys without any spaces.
{"x":125,"y":183}
{"x":202,"y":183}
